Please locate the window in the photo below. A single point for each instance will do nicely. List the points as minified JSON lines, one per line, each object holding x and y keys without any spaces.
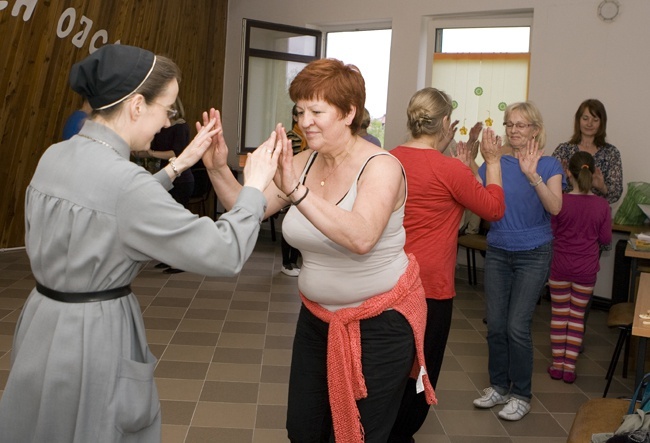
{"x":484,"y":69}
{"x":273,"y":55}
{"x":369,"y":50}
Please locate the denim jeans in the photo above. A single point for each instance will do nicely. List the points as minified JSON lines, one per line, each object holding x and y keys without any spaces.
{"x":513,"y":283}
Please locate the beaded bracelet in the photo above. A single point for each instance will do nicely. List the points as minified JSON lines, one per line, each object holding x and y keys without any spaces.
{"x":173,"y":165}
{"x":537,"y":182}
{"x":297,"y":202}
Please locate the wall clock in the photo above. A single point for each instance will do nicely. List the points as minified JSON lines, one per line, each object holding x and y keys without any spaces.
{"x":608,"y":10}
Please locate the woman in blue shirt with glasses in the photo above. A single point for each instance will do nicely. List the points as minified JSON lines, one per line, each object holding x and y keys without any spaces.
{"x":518,"y":258}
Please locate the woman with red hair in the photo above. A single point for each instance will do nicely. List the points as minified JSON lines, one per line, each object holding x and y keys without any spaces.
{"x":363,"y":314}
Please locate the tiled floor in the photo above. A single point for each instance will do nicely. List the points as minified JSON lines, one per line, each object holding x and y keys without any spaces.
{"x":224,"y":346}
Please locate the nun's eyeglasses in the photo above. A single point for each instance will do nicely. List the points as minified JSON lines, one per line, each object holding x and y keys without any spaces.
{"x":171,"y":112}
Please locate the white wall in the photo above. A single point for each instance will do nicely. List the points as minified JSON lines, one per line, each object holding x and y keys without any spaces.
{"x":575,"y":56}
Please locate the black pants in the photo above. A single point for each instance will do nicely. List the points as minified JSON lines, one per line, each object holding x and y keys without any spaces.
{"x":414,"y":408}
{"x":388,"y":350}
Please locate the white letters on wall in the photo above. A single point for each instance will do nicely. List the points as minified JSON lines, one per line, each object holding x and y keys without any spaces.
{"x":29,"y":8}
{"x":80,"y":37}
{"x":66,"y":25}
{"x":67,"y":19}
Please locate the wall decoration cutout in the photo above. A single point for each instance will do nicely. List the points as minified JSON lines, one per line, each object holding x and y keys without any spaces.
{"x":463,"y":130}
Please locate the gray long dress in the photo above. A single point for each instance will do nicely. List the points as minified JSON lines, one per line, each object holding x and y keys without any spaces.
{"x":82,"y":372}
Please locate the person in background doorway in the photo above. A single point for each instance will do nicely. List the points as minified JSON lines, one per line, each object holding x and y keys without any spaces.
{"x":440,"y":188}
{"x":581,"y":227}
{"x":363,"y":129}
{"x":589,"y":133}
{"x":81,"y":368}
{"x":76,"y":120}
{"x":167,"y":144}
{"x":295,"y":135}
{"x":518,"y":258}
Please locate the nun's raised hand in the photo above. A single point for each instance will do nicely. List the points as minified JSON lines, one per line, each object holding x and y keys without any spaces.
{"x":216,"y":156}
{"x":198,"y":146}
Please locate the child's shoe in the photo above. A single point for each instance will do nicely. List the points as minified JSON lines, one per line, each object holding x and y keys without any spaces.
{"x":569,"y":377}
{"x":555,"y":373}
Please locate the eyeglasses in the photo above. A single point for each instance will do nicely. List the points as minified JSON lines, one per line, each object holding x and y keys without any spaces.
{"x":171,"y":112}
{"x":520,"y":126}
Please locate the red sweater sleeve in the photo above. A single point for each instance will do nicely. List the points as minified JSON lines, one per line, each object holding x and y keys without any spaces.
{"x":488,"y":203}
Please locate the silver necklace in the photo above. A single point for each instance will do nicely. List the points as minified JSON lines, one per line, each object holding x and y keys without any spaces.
{"x":101,"y":142}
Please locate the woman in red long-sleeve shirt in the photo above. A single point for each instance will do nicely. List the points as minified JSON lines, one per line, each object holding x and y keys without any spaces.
{"x":439,"y":190}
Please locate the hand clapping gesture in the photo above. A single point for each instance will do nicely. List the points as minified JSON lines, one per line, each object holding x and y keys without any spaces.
{"x":491,"y":146}
{"x":472,"y":141}
{"x":448,"y":136}
{"x":197,"y":147}
{"x":529,"y":158}
{"x":463,"y":153}
{"x":201,"y":142}
{"x":285,"y":178}
{"x":261,"y":164}
{"x":598,"y":181}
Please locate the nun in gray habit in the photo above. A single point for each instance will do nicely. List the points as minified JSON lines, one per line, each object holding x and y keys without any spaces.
{"x":81,"y":367}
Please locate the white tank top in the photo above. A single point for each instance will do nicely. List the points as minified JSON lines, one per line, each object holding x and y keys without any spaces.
{"x":335,"y":277}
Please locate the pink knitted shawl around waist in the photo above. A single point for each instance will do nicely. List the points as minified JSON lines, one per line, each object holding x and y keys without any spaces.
{"x":345,"y":380}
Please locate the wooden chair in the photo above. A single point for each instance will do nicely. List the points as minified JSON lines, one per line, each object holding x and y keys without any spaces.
{"x":621,"y":316}
{"x":596,"y":416}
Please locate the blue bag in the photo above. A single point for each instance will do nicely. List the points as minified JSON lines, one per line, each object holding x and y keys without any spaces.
{"x":642,"y":395}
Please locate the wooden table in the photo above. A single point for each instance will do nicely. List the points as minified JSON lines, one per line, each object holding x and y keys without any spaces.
{"x":635,"y":256}
{"x":632,"y":229}
{"x":641,"y":306}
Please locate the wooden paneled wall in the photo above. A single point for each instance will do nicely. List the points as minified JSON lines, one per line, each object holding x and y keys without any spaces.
{"x":39,"y":42}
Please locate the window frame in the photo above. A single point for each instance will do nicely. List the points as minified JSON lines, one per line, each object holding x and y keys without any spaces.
{"x":520,"y":17}
{"x":248,"y":53}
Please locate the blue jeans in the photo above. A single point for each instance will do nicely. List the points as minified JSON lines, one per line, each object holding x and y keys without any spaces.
{"x":513,"y":283}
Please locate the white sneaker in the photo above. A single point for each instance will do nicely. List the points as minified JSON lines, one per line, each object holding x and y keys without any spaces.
{"x":290,"y":270}
{"x":490,"y":398}
{"x":515,"y":409}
